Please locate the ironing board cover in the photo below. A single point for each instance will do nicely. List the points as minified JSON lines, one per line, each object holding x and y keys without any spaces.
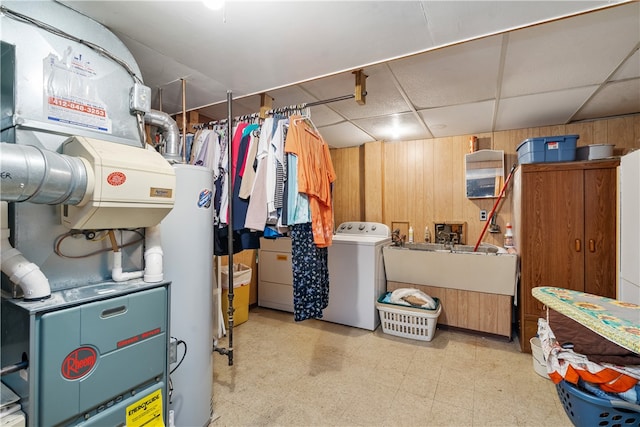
{"x":617,"y":321}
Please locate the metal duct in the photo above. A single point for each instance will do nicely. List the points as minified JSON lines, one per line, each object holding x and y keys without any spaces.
{"x":42,"y":176}
{"x":172,"y":137}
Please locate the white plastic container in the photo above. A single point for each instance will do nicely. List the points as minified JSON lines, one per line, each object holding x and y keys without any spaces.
{"x":408,"y":322}
{"x":594,"y":152}
{"x":539,"y":364}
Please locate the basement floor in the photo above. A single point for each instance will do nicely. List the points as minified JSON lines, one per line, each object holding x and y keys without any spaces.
{"x":316,"y":373}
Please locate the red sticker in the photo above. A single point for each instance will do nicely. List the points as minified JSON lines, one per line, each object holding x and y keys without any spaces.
{"x":116,"y":178}
{"x":79,"y":363}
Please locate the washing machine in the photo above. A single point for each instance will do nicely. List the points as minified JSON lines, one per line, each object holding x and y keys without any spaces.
{"x":356,"y":274}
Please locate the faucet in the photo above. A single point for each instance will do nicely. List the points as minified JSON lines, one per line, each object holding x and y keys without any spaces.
{"x":396,"y":238}
{"x":446,"y":239}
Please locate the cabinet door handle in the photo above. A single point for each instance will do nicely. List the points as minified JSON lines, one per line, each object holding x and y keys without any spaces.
{"x":592,"y":245}
{"x":578,"y":245}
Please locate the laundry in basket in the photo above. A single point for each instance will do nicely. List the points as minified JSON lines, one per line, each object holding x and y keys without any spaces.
{"x":407,"y":321}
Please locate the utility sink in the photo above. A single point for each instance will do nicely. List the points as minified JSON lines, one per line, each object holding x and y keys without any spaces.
{"x":490,"y":269}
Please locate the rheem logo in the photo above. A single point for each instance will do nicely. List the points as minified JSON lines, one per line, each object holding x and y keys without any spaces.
{"x":79,"y":363}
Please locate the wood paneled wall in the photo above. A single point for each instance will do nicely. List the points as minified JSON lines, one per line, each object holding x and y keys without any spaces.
{"x":422,"y":182}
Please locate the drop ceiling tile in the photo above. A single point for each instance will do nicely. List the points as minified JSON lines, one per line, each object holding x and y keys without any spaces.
{"x":344,"y":135}
{"x":630,"y":69}
{"x":290,"y":95}
{"x":396,"y":127}
{"x":294,"y":95}
{"x":322,"y":115}
{"x":239,"y":107}
{"x":613,"y":99}
{"x":454,"y":21}
{"x":459,"y":119}
{"x":382,"y":97}
{"x":544,"y":109}
{"x":581,"y":51}
{"x":455,"y":75}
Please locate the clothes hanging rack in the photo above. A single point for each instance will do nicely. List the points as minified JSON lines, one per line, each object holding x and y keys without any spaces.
{"x":272,"y":111}
{"x":225,"y":121}
{"x":360,"y":97}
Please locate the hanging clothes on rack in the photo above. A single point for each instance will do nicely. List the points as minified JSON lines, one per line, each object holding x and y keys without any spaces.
{"x":281,"y":181}
{"x":267,"y":194}
{"x":310,"y":274}
{"x":187,"y":145}
{"x":276,"y":176}
{"x":256,"y":218}
{"x":315,"y":175}
{"x":203,"y":150}
{"x":310,"y":240}
{"x":243,"y":237}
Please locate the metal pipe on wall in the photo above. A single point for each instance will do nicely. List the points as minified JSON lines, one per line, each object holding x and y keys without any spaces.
{"x":229,"y":351}
{"x":230,"y":221}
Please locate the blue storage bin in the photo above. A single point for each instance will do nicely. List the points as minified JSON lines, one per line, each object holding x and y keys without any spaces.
{"x":560,"y":148}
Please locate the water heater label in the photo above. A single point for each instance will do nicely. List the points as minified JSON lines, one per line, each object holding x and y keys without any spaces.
{"x":79,"y":363}
{"x":204,"y":200}
{"x":116,"y":178}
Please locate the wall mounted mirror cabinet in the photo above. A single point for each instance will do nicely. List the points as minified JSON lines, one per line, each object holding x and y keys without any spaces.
{"x":484,"y":173}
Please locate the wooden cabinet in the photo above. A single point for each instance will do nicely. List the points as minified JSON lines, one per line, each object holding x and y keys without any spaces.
{"x":565,"y":228}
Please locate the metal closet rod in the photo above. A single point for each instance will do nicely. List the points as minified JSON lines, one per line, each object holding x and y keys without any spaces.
{"x":276,"y":110}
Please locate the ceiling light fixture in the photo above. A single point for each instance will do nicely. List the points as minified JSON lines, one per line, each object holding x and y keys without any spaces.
{"x":213,"y":4}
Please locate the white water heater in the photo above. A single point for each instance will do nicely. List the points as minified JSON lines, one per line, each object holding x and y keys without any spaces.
{"x":187,"y":243}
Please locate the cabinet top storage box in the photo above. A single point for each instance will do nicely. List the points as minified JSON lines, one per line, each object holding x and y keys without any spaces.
{"x":560,"y":148}
{"x":594,"y":152}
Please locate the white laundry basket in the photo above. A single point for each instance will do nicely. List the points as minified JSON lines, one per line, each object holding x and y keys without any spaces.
{"x":408,"y":322}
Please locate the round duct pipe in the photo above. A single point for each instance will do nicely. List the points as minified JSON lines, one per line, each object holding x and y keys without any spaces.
{"x":42,"y":176}
{"x":172,"y":137}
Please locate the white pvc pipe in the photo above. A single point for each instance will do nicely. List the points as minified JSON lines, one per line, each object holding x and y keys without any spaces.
{"x":27,"y":275}
{"x":153,"y":270}
{"x":117,"y":275}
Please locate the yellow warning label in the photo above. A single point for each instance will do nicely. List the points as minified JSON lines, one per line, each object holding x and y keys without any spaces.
{"x":146,"y":411}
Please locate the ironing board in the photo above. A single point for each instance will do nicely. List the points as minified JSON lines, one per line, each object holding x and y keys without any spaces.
{"x":617,"y":321}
